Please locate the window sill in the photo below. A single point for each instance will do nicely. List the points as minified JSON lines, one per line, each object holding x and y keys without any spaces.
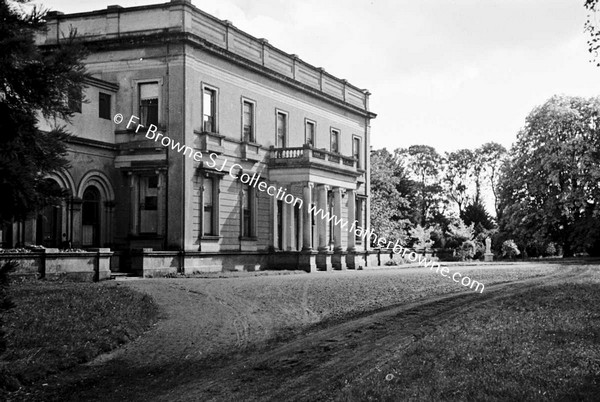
{"x":210,"y":237}
{"x":250,"y":238}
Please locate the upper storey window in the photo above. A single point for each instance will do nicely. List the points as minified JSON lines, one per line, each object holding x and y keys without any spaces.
{"x":310,"y":133}
{"x":335,"y":137}
{"x":209,"y":110}
{"x":149,"y":104}
{"x":356,"y":151}
{"x":281,"y":130}
{"x":104,"y":106}
{"x":248,"y":121}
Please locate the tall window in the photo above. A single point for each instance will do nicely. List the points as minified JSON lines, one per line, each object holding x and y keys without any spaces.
{"x":335,"y":136}
{"x":90,"y":217}
{"x":248,"y":121}
{"x":148,"y":104}
{"x":310,"y":133}
{"x":356,"y":150}
{"x":149,"y":204}
{"x":209,"y":218}
{"x":74,"y":99}
{"x":104,"y":106}
{"x":247,"y":229}
{"x":281,"y":130}
{"x":209,"y":111}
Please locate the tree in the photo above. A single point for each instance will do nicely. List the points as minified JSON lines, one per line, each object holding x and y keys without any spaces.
{"x":458,"y":170}
{"x":423,"y":165}
{"x":549,"y":189}
{"x":390,"y":208}
{"x":476,"y":214}
{"x":33,"y":81}
{"x":493,"y":156}
{"x":592,"y":29}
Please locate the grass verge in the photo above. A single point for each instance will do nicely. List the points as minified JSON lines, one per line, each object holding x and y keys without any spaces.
{"x":57,"y":325}
{"x":541,"y":345}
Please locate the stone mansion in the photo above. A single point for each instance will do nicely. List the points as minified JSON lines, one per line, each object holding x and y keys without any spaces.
{"x":204,"y":83}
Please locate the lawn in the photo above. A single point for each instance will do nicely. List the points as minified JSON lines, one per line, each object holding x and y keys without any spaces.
{"x":57,"y":325}
{"x":543,"y":344}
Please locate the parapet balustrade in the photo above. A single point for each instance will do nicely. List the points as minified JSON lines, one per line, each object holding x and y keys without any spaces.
{"x":309,"y":154}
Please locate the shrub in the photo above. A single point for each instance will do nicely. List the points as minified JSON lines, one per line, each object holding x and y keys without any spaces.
{"x":551,"y":249}
{"x":466,"y":251}
{"x":510,"y":249}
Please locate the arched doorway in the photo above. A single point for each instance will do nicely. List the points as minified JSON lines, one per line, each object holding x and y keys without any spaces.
{"x":90,"y":217}
{"x":49,"y":222}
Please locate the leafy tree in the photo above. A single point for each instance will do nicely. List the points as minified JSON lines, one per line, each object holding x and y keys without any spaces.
{"x":458,"y":233}
{"x":34,"y":81}
{"x":493,"y":156}
{"x":390,"y":208}
{"x":422,"y":237}
{"x":510,"y":249}
{"x":550,"y":188}
{"x":458,"y":171}
{"x":476,"y":214}
{"x":592,"y":29}
{"x":423,"y":165}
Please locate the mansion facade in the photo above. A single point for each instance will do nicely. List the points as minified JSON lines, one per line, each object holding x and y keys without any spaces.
{"x":204,"y":83}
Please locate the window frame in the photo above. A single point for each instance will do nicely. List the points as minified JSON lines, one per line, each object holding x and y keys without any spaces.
{"x":75,"y":100}
{"x":136,"y":98}
{"x":359,"y":151}
{"x":139,"y":101}
{"x":101,"y":109}
{"x":338,"y":135}
{"x":142,"y":197}
{"x":308,"y":122}
{"x":215,"y":108}
{"x":286,"y":131}
{"x":216,"y":181}
{"x":251,"y":198}
{"x":251,"y":102}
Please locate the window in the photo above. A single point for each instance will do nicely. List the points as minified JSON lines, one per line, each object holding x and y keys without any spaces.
{"x":148,"y":106}
{"x":335,"y":136}
{"x":209,"y":216}
{"x":248,"y":121}
{"x":74,"y":100}
{"x":356,"y":150}
{"x":209,"y":110}
{"x":309,"y":133}
{"x":281,"y":130}
{"x":104,"y":106}
{"x":247,"y":215}
{"x":148,"y":204}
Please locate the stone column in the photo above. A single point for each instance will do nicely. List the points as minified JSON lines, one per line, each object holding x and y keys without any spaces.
{"x":337,"y":211}
{"x":352,"y":259}
{"x":338,"y":258}
{"x":351,"y":217}
{"x":133,"y":204}
{"x":322,"y":223}
{"x":307,"y":218}
{"x":323,"y":257}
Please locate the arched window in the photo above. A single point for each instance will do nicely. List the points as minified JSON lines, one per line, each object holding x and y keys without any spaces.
{"x":90,"y":217}
{"x":49,"y":220}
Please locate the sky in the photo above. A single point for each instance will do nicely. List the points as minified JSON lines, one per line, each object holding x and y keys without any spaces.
{"x":446,"y":73}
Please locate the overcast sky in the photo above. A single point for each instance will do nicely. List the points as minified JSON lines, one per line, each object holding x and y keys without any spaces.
{"x":450,"y":74}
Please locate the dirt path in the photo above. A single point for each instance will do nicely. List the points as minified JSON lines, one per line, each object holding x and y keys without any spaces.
{"x":311,"y":366}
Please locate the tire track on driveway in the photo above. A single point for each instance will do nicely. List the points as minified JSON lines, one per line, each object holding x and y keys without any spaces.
{"x":316,"y":365}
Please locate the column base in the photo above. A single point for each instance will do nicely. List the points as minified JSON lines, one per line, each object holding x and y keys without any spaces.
{"x":307,"y":261}
{"x":338,"y":260}
{"x":354,"y":260}
{"x":324,"y":261}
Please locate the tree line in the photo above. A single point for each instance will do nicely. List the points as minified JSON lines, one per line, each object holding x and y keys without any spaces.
{"x":543,"y":192}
